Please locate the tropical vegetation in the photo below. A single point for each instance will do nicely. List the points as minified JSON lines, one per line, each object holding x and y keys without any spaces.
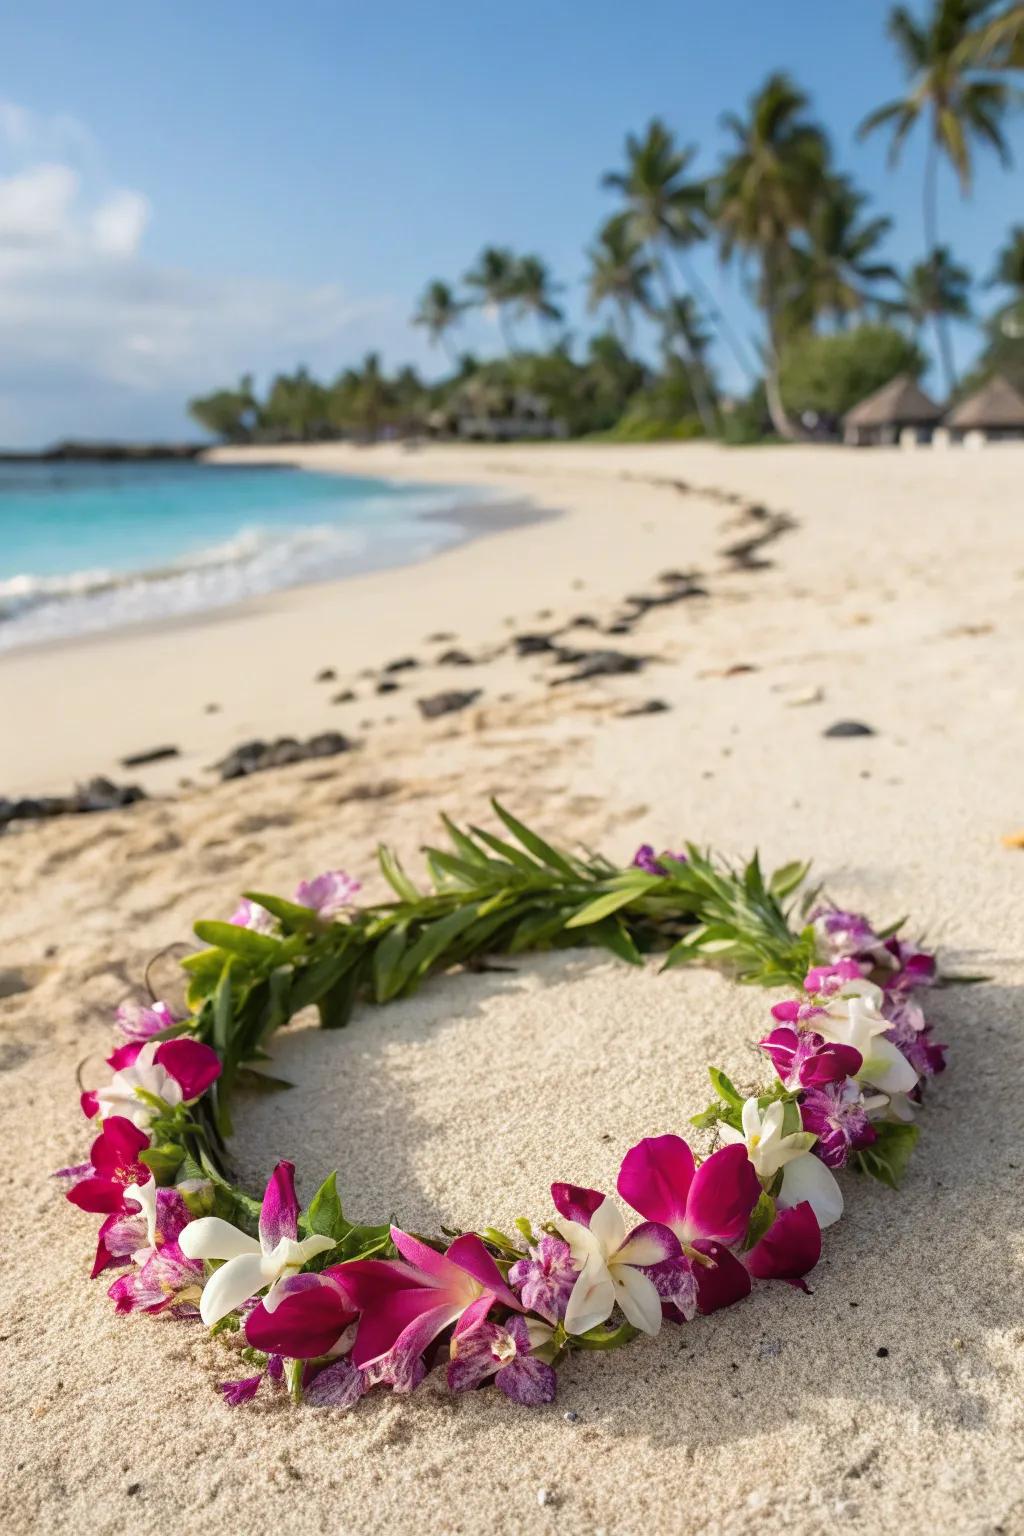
{"x":836,"y":316}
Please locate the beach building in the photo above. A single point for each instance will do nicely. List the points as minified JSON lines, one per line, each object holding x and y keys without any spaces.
{"x":899,"y":412}
{"x":994,"y":413}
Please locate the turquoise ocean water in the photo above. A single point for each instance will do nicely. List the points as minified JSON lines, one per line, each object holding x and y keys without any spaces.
{"x":87,"y":547}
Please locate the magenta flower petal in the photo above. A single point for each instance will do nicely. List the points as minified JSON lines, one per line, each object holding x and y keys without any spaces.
{"x":724,"y":1191}
{"x":193,"y":1065}
{"x":575,"y":1202}
{"x":469,"y":1253}
{"x":655,"y":1178}
{"x":649,"y":1243}
{"x":304,"y":1324}
{"x":527,"y":1381}
{"x":545,"y":1278}
{"x":402,"y":1365}
{"x":116,"y":1151}
{"x":279,"y":1213}
{"x":238,"y":1392}
{"x":124,"y":1055}
{"x":390,"y":1297}
{"x":101,"y":1196}
{"x":90,"y":1104}
{"x":422,"y":1257}
{"x":340,"y":1385}
{"x":721,"y":1283}
{"x":477,"y":1352}
{"x":790,"y":1248}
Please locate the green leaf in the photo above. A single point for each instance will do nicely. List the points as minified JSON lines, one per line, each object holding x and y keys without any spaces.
{"x":244,"y":942}
{"x":613,"y":935}
{"x":784,"y":881}
{"x":325,"y":1214}
{"x":603,"y":1337}
{"x":611,"y":901}
{"x":724,"y":1087}
{"x":887,"y":1157}
{"x":433,"y":941}
{"x":237,"y":1208}
{"x":387,"y":978}
{"x":260,"y":1082}
{"x":761,"y":1218}
{"x":396,"y":876}
{"x":292,"y":917}
{"x":164,"y":1161}
{"x":534,"y":844}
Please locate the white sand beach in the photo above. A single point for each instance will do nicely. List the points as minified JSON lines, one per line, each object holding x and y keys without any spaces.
{"x":895,"y":599}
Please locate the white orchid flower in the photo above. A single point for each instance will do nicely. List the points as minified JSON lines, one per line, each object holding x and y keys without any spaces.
{"x":607,"y":1260}
{"x":804,"y":1177}
{"x":854,"y":1017}
{"x":252,"y":1265}
{"x":119,"y":1096}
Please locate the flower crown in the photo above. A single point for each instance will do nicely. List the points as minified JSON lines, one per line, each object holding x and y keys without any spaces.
{"x":330,"y":1309}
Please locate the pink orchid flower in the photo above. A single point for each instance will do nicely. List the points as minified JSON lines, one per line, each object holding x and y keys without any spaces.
{"x":312,"y":1315}
{"x":707,"y":1209}
{"x":405,"y":1303}
{"x":163,"y":1279}
{"x":249,"y":914}
{"x":790,"y":1248}
{"x":176,"y":1071}
{"x":805,"y":1059}
{"x":114,"y":1166}
{"x":250,"y":1265}
{"x":140,"y":1021}
{"x":327,"y":894}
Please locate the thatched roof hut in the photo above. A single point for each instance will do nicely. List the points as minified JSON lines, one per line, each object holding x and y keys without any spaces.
{"x":995,"y":411}
{"x":884,"y":416}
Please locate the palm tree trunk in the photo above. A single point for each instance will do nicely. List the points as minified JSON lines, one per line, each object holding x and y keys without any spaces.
{"x":729,"y":336}
{"x":931,"y":235}
{"x":694,"y":374}
{"x":783,"y":423}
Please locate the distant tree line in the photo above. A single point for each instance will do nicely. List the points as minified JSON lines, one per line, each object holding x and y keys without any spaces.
{"x":837,"y":319}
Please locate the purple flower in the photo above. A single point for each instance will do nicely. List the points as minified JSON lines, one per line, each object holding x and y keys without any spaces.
{"x":646,"y":859}
{"x":911,"y":1034}
{"x":248,"y":914}
{"x":483,"y":1349}
{"x":166,"y":1281}
{"x":848,"y":935}
{"x":140,"y":1021}
{"x":327,"y":894}
{"x":837,"y":1115}
{"x":545,"y":1279}
{"x":916,"y":967}
{"x":238,"y":1392}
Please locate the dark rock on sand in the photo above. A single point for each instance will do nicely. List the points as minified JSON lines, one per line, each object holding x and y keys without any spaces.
{"x":97,"y":794}
{"x":533,"y":645}
{"x":648,"y":707}
{"x":403,"y":664}
{"x":256,"y":756}
{"x":455,"y":658}
{"x":643,"y":602}
{"x":346,"y":696}
{"x":388,"y":685}
{"x":326,"y":675}
{"x":447,"y":703}
{"x":620,"y":628}
{"x":849,"y":728}
{"x":440,"y":636}
{"x":154,"y":755}
{"x":590,"y":664}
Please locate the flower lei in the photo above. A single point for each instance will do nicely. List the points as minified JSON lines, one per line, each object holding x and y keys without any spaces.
{"x":331,"y":1309}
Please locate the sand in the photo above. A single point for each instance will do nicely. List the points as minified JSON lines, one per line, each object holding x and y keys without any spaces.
{"x":897,"y":600}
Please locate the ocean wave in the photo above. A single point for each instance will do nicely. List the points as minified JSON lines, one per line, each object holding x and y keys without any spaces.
{"x":254,"y":562}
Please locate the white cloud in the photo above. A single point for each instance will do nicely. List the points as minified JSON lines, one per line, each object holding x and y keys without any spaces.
{"x":35,"y":206}
{"x":119,"y":223}
{"x":96,"y":340}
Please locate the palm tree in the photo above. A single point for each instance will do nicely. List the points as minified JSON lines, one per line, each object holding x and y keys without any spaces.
{"x":997,"y":43}
{"x":1008,"y":272}
{"x":946,"y":93}
{"x":837,"y":269}
{"x":534,"y":291}
{"x":938,"y":289}
{"x":764,"y":193}
{"x":493,"y":281}
{"x":620,"y":274}
{"x":664,"y":211}
{"x":439,"y":312}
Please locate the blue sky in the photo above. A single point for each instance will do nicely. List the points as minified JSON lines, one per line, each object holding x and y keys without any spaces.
{"x":191,"y":189}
